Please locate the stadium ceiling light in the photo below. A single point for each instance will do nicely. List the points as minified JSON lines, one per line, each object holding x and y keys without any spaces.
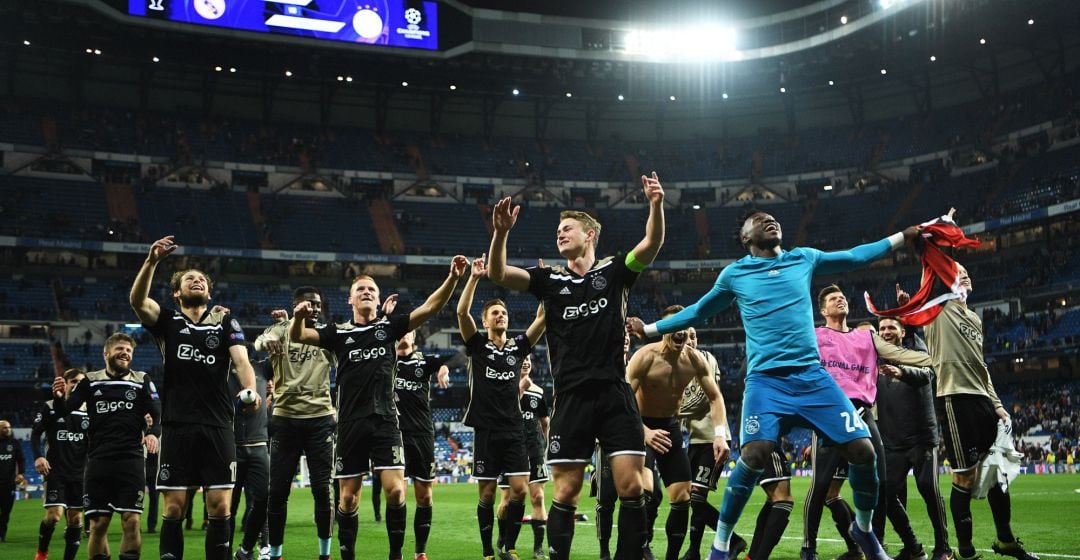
{"x":25,"y":42}
{"x":621,"y":97}
{"x":933,"y":58}
{"x":843,"y":20}
{"x":724,"y":95}
{"x":884,"y":71}
{"x":341,"y":78}
{"x":232,"y":69}
{"x":671,"y":97}
{"x":696,"y":207}
{"x":97,"y":51}
{"x":516,"y":91}
{"x":687,"y":43}
{"x":826,"y":188}
{"x":89,"y":51}
{"x":982,"y":41}
{"x":568,"y":94}
{"x":832,"y":83}
{"x":288,"y":73}
{"x":156,"y":59}
{"x":404,"y":84}
{"x":886,"y":4}
{"x":1030,"y":22}
{"x":348,"y":79}
{"x":217,"y":69}
{"x":453,"y":87}
{"x":783,"y":89}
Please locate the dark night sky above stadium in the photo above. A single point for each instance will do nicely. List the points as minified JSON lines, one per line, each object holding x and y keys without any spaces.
{"x":644,"y":10}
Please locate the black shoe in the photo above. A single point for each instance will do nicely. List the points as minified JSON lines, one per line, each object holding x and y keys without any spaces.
{"x":917,"y":554}
{"x":647,"y":553}
{"x":736,"y":546}
{"x":1014,"y":549}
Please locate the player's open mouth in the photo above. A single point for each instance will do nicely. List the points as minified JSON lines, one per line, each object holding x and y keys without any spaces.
{"x":771,"y":228}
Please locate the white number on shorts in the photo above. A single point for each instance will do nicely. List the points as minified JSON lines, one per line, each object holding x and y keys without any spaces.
{"x":703,"y":474}
{"x":399,"y":454}
{"x":852,"y":423}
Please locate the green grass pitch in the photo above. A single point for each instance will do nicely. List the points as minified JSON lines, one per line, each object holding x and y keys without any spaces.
{"x":1046,"y":515}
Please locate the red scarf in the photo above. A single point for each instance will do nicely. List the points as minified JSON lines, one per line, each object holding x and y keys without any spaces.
{"x":940,"y":276}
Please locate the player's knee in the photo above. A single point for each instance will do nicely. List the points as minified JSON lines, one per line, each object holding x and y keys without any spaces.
{"x":130,"y":524}
{"x":536,"y":497}
{"x":395,"y":494}
{"x":99,"y":525}
{"x":52,"y":516}
{"x":964,"y":479}
{"x":173,"y":510}
{"x":679,"y":492}
{"x":859,"y":452}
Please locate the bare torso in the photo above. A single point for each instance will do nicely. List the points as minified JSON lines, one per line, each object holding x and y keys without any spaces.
{"x":663,"y":378}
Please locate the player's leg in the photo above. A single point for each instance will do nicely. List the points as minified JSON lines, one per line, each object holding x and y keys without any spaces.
{"x":572,"y":438}
{"x":422,"y":518}
{"x":823,"y":462}
{"x":348,"y":500}
{"x":287,"y":445}
{"x":217,"y":475}
{"x":653,"y":495}
{"x":7,"y":501}
{"x":53,"y":512}
{"x":376,"y":497}
{"x":622,"y":438}
{"x":238,"y":493}
{"x":515,"y":510}
{"x":420,"y":467}
{"x":218,"y":501}
{"x":174,"y":478}
{"x":255,"y":490}
{"x":153,"y":500}
{"x":841,"y":512}
{"x":606,"y":496}
{"x":674,"y":470}
{"x":485,"y":512}
{"x":503,"y":484}
{"x":318,"y":441}
{"x":388,"y":460}
{"x":878,"y":520}
{"x":927,"y":481}
{"x":774,"y":515}
{"x":960,"y":429}
{"x":73,"y":530}
{"x":131,"y":539}
{"x":567,"y":479}
{"x":513,"y":460}
{"x":537,"y":478}
{"x":894,"y":507}
{"x":98,"y":547}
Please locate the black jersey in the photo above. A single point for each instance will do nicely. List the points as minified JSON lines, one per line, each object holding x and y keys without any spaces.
{"x":65,"y":441}
{"x":117,"y":407}
{"x":11,"y":461}
{"x":366,"y":361}
{"x":586,"y":318}
{"x":413,"y":388}
{"x":195,"y":386}
{"x":533,"y":408}
{"x":493,"y":382}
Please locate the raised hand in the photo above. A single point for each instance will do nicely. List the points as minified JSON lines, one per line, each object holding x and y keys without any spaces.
{"x":654,"y":191}
{"x":902,"y":297}
{"x":303,"y":311}
{"x":220,"y":309}
{"x":458,"y":265}
{"x":279,"y":315}
{"x":58,"y":387}
{"x":161,"y":248}
{"x":505,"y":215}
{"x":479,"y":267}
{"x":636,"y":327}
{"x":389,"y":304}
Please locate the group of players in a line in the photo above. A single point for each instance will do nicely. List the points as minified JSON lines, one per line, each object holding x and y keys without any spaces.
{"x":629,"y":409}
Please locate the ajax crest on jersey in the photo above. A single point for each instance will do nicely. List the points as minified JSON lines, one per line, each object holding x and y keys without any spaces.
{"x":380,"y":334}
{"x":129,"y":394}
{"x":212,"y":342}
{"x":599,"y":282}
{"x":511,"y":360}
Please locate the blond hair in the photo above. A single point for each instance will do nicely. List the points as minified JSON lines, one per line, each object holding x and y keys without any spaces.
{"x":587,"y":222}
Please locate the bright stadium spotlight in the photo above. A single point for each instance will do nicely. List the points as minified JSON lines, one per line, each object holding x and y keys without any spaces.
{"x":691,"y":43}
{"x":982,"y":41}
{"x":826,"y":188}
{"x":453,"y":87}
{"x":1030,"y":22}
{"x":886,"y":4}
{"x":341,"y":78}
{"x":933,"y":58}
{"x":516,"y":91}
{"x":404,"y":84}
{"x":97,"y":51}
{"x":288,"y":73}
{"x":843,"y":20}
{"x":724,"y":95}
{"x":348,"y":79}
{"x":671,"y":97}
{"x":156,"y":59}
{"x":884,"y":71}
{"x":25,"y":42}
{"x":832,"y":83}
{"x":621,"y":97}
{"x":217,"y":69}
{"x":783,"y":89}
{"x":568,"y":94}
{"x":232,"y":69}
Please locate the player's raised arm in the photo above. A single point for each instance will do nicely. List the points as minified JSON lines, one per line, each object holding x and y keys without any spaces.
{"x":146,"y":308}
{"x":502,"y":220}
{"x":536,"y":329}
{"x":713,"y":302}
{"x":465,"y":321}
{"x":862,"y":255}
{"x":298,"y":331}
{"x":645,"y":252}
{"x":438,"y":299}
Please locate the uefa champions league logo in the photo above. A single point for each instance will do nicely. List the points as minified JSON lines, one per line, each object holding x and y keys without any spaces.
{"x":414,"y":17}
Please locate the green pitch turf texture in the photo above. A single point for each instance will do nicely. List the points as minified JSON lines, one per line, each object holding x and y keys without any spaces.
{"x":1045,"y":510}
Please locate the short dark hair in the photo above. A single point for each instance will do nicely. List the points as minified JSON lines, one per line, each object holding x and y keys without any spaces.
{"x":671,"y":310}
{"x":749,"y":213}
{"x":824,"y":293}
{"x":893,"y":319}
{"x":299,"y":293}
{"x":491,"y":303}
{"x":72,"y":373}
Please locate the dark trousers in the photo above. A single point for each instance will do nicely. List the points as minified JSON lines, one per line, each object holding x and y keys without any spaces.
{"x":7,"y":501}
{"x":253,"y":480}
{"x":826,"y":461}
{"x":923,"y":460}
{"x":293,"y":437}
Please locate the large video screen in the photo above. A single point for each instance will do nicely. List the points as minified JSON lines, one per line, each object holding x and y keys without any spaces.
{"x":396,"y":23}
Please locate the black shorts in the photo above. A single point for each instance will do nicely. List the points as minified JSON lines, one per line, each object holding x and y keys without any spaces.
{"x":969,"y":428}
{"x":673,"y":466}
{"x":365,"y":444}
{"x":777,"y":469}
{"x":65,"y":493}
{"x":499,"y":452}
{"x":194,"y":455}
{"x":419,"y":455}
{"x":539,"y":472}
{"x":114,"y":485}
{"x":703,"y":468}
{"x":598,"y":411}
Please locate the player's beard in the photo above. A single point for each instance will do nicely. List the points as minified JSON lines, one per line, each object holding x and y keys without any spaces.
{"x":116,"y":368}
{"x":194,"y":300}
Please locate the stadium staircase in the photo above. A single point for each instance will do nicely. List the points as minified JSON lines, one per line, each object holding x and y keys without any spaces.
{"x":386,"y":230}
{"x":254,"y":201}
{"x":120,"y":201}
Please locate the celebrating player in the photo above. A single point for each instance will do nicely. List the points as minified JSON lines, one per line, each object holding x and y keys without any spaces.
{"x":585,"y":302}
{"x":367,"y":431}
{"x":785,"y":381}
{"x":197,"y":345}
